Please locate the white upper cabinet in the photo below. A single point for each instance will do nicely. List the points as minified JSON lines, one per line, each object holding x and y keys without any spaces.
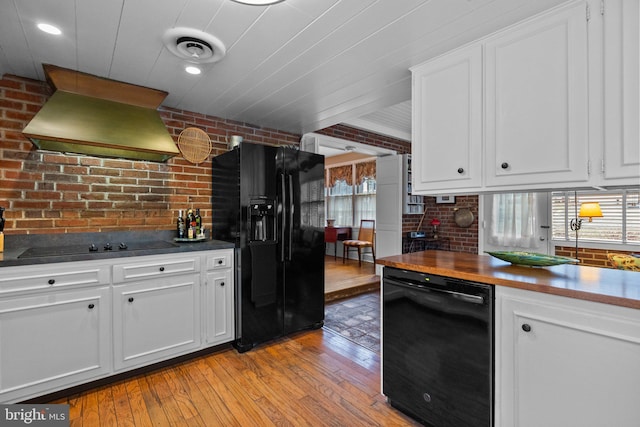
{"x":447,"y":122}
{"x":549,"y":103}
{"x":622,"y":91}
{"x":536,"y":89}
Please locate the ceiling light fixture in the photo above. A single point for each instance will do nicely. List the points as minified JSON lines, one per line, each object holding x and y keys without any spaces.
{"x":192,"y":70}
{"x":258,"y":2}
{"x":49,"y":29}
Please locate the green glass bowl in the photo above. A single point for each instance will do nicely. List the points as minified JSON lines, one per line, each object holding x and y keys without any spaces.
{"x":531,"y":259}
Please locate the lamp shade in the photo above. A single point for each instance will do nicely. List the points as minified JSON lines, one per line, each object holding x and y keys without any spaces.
{"x":435,"y":221}
{"x":590,"y":210}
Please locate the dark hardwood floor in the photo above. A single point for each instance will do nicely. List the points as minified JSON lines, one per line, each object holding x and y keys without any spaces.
{"x":312,"y":378}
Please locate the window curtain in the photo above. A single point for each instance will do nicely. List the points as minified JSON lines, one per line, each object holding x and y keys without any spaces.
{"x":513,"y":220}
{"x":365,"y":170}
{"x":340,"y":203}
{"x":340,"y":173}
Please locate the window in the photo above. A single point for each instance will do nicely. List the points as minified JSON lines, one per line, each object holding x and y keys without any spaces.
{"x":348,"y":203}
{"x":620,"y":222}
{"x":513,"y":220}
{"x":365,"y":200}
{"x":340,"y":203}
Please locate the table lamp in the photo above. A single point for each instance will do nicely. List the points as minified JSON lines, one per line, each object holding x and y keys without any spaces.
{"x":587,"y":210}
{"x":435,"y":222}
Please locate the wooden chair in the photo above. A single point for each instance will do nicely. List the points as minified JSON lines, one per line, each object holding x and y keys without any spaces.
{"x":365,"y":240}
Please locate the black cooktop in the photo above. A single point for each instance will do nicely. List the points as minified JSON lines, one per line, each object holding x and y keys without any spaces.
{"x":51,"y":251}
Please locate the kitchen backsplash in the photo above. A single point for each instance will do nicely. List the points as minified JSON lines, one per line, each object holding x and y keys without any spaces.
{"x":56,"y":193}
{"x":47,"y":192}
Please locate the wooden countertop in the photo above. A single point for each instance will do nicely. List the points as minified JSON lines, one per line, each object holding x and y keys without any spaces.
{"x":603,"y":285}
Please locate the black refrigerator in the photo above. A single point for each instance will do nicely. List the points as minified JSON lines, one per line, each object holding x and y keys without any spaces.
{"x":269,"y":201}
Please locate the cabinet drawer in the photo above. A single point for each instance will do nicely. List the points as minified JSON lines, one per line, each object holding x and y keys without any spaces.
{"x":220,"y":259}
{"x":155,"y":267}
{"x":33,"y":278}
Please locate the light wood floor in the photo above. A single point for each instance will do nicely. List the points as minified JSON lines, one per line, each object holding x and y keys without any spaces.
{"x":312,"y":378}
{"x":348,"y":279}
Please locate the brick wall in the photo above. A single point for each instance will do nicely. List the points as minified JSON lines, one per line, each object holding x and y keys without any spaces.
{"x":461,"y":239}
{"x":588,"y":256}
{"x":46,"y":192}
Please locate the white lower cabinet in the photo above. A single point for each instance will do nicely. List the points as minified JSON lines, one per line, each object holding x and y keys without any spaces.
{"x":53,"y":340}
{"x":218,"y":298}
{"x":155,"y":320}
{"x":65,"y":324}
{"x":565,"y":362}
{"x":218,"y":316}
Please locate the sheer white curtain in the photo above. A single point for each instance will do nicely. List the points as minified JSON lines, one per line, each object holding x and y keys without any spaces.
{"x":513,"y":220}
{"x":340,"y":203}
{"x":340,"y":208}
{"x":365,"y":207}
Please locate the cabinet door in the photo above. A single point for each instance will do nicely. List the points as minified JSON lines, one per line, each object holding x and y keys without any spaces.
{"x":389,"y":206}
{"x":447,"y":122}
{"x":155,"y":319}
{"x":218,"y":296}
{"x":536,"y":101}
{"x":562,"y":365}
{"x":622,"y":91}
{"x":52,"y":341}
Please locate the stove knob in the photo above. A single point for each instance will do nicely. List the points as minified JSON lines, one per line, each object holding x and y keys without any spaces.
{"x":122,"y":246}
{"x":93,"y":248}
{"x":108,"y":247}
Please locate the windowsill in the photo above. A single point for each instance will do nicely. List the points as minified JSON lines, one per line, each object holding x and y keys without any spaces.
{"x":597,"y":245}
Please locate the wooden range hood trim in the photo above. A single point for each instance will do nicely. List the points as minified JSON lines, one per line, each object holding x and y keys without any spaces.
{"x":98,"y":87}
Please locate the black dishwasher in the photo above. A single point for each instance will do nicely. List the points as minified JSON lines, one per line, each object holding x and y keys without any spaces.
{"x":437,"y":348}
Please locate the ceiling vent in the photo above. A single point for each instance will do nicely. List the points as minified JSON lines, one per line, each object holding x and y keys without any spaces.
{"x":194,"y":45}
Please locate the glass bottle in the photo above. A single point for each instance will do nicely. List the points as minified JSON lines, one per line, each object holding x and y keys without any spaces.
{"x":181,"y":225}
{"x":198,"y":223}
{"x":190,"y":224}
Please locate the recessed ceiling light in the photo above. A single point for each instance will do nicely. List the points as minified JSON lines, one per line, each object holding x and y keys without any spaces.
{"x":49,"y":29}
{"x":258,"y":2}
{"x":192,"y":70}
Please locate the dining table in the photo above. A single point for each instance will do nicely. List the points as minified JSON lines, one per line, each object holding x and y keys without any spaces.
{"x":335,"y":234}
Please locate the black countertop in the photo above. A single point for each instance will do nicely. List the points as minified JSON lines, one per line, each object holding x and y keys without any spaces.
{"x":17,"y":245}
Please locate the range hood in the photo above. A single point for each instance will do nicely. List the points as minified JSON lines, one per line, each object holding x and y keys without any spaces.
{"x":101,"y":117}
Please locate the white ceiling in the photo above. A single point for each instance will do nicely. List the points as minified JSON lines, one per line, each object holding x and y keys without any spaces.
{"x":298,"y":65}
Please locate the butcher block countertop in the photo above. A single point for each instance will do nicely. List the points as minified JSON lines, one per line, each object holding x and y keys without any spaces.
{"x":602,"y":285}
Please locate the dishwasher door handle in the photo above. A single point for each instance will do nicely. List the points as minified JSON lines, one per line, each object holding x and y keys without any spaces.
{"x":473,"y":299}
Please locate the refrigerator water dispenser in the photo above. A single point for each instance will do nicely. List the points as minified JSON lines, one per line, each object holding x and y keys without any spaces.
{"x":262,"y":221}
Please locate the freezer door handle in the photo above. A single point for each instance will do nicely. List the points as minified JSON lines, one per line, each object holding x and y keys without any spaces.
{"x":291,"y":213}
{"x":283,"y":228}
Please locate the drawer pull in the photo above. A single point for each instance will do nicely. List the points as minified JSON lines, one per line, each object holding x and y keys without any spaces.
{"x":526,"y":327}
{"x":505,"y":165}
{"x":130,"y":299}
{"x":51,"y":281}
{"x":460,"y":171}
{"x":161,"y":268}
{"x":91,"y":306}
{"x":219,"y":262}
{"x":221,"y":283}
